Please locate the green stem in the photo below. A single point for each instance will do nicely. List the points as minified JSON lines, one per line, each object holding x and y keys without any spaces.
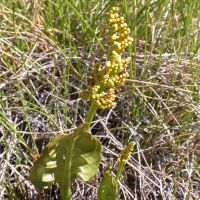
{"x":90,"y":115}
{"x":66,"y":193}
{"x":119,"y":171}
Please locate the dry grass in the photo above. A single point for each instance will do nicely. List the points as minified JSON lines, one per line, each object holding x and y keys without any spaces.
{"x":43,"y":68}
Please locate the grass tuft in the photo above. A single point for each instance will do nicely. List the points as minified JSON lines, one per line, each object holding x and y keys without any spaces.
{"x":48,"y":48}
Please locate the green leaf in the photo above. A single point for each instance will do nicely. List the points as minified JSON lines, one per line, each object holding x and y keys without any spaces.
{"x":65,"y":158}
{"x":108,"y":187}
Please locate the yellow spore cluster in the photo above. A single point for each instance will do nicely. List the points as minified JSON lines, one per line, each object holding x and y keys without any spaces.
{"x":114,"y":73}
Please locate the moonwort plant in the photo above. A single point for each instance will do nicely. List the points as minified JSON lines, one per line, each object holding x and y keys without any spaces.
{"x":78,"y":155}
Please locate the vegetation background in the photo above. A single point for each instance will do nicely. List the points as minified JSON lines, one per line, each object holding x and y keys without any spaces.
{"x":48,"y":49}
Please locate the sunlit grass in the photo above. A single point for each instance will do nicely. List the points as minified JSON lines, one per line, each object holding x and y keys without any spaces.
{"x":47,"y":52}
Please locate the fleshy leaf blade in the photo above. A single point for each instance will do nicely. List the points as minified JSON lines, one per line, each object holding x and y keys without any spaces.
{"x":108,"y":189}
{"x":67,"y":157}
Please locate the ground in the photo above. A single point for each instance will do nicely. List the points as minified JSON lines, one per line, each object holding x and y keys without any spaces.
{"x":48,"y":50}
